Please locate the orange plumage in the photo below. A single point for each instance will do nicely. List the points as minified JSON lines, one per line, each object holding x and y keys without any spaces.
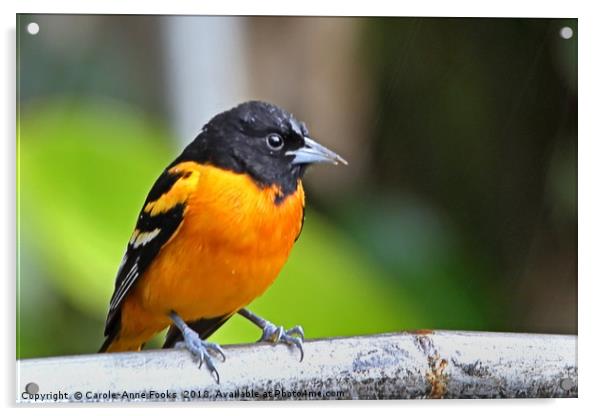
{"x":228,"y":250}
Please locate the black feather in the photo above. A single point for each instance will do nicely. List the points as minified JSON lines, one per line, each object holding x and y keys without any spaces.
{"x":137,"y":259}
{"x":236,"y":140}
{"x":204,"y":327}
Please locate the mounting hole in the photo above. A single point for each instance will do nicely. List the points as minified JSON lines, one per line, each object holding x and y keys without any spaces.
{"x":32,"y":388}
{"x":566,"y":32}
{"x":567,"y":383}
{"x":33,"y":28}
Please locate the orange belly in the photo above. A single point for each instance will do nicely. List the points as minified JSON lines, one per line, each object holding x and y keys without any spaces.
{"x":229,"y":249}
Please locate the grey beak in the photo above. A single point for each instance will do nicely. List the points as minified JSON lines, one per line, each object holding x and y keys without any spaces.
{"x":314,"y":152}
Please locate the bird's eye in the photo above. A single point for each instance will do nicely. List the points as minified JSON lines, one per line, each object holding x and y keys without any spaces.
{"x":274,"y":141}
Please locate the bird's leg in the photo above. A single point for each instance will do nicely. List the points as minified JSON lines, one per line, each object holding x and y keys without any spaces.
{"x":276,"y":334}
{"x":198,"y":348}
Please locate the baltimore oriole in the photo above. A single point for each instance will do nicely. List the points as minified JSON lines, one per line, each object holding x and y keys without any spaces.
{"x":215,"y":230}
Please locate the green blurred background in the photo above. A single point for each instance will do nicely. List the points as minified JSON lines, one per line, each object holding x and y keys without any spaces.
{"x":457,"y":211}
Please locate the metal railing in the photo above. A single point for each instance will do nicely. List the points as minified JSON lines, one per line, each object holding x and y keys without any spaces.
{"x":408,"y":365}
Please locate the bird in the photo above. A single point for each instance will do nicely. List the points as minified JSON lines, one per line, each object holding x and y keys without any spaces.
{"x":214,"y":232}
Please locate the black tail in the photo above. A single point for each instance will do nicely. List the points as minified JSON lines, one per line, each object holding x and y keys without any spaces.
{"x":107,"y":343}
{"x":204,"y":327}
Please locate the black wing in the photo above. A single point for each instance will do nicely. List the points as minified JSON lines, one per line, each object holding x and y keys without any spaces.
{"x":150,"y":235}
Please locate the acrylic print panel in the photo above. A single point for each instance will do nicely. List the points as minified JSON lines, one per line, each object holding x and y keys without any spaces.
{"x":388,"y":204}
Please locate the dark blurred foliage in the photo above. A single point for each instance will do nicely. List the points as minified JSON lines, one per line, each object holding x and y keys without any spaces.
{"x":478,"y":118}
{"x":464,"y":216}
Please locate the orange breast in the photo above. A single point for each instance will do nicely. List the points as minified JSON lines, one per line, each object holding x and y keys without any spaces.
{"x":230,"y":247}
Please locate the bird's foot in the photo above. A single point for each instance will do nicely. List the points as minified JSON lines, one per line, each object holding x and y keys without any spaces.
{"x":201,"y":350}
{"x":277,"y":334}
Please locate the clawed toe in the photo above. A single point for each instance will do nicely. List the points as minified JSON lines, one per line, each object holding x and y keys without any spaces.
{"x":297,"y":331}
{"x":277,"y":334}
{"x":293,"y":341}
{"x":202,"y":351}
{"x":216,"y":349}
{"x":199,"y":349}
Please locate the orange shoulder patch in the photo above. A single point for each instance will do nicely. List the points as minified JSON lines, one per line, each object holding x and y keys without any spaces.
{"x":179,"y":192}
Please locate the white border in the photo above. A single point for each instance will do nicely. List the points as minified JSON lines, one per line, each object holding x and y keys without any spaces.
{"x":462,"y":8}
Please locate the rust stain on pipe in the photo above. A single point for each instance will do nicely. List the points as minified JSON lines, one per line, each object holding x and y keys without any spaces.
{"x":422,"y":332}
{"x":437,"y":377}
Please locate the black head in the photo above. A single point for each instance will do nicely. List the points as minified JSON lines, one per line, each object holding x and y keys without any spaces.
{"x":262,"y":140}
